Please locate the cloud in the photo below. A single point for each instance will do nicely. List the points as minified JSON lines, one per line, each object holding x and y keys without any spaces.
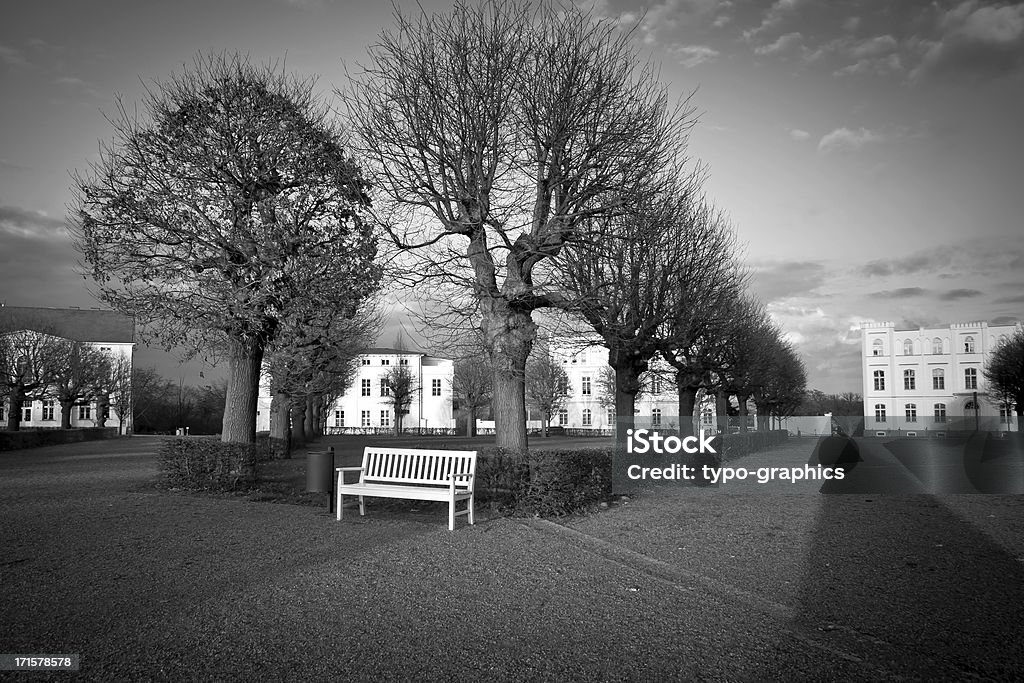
{"x":773,"y":17}
{"x":783,"y":44}
{"x":907,"y":265}
{"x":1004,"y":320}
{"x":957,"y":294}
{"x":798,"y":134}
{"x":692,"y":55}
{"x":846,"y":139}
{"x":38,"y":263}
{"x":11,"y":57}
{"x":772,"y":281}
{"x":1018,"y":299}
{"x":901,"y":293}
{"x":976,"y":41}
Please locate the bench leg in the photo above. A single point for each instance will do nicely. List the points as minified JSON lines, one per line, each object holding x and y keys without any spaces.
{"x":471,"y":496}
{"x":451,"y":515}
{"x":362,"y":507}
{"x":339,"y":504}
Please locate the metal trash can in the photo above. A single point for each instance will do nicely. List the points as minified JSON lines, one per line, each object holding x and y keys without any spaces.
{"x":320,"y":474}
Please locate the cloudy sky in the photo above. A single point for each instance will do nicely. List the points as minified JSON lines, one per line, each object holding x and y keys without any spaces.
{"x":869,"y":153}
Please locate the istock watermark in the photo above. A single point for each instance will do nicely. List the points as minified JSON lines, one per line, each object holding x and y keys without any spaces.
{"x":638,"y":442}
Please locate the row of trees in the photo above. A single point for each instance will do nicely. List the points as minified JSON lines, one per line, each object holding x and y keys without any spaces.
{"x":521,"y":158}
{"x":36,"y":366}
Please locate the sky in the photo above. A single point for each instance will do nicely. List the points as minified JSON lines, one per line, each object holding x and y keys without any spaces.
{"x":869,"y":154}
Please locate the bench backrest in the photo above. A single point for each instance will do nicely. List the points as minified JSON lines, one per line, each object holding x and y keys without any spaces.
{"x":416,"y":466}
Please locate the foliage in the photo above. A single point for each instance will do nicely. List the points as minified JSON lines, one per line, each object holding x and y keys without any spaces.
{"x":226,"y":206}
{"x":498,"y":131}
{"x":27,"y":368}
{"x":817,"y":402}
{"x":81,"y":374}
{"x":1005,"y":373}
{"x":207,"y":464}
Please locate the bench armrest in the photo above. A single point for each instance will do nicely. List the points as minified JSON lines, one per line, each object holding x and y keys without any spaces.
{"x":460,"y":475}
{"x":342,"y":470}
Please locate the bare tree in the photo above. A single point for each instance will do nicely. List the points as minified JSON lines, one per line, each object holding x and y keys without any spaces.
{"x":119,"y":383}
{"x":547,"y":384}
{"x":150,"y":393}
{"x":27,"y":369}
{"x":471,"y":387}
{"x":81,"y":374}
{"x":400,"y":386}
{"x":1005,"y":374}
{"x":498,"y":131}
{"x":785,"y":383}
{"x":231,"y":200}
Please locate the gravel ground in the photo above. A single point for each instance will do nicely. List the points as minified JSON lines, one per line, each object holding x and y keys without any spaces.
{"x":149,"y":585}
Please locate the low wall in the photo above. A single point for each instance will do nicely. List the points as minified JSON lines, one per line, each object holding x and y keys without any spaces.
{"x":33,"y":438}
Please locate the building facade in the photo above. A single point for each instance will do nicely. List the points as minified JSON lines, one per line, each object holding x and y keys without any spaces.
{"x":109,"y":331}
{"x":932,"y":379}
{"x":364,"y":407}
{"x":591,"y":401}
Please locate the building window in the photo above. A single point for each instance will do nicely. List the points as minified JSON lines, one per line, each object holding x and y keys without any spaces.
{"x":364,"y":387}
{"x":563,"y":417}
{"x":585,"y":387}
{"x":655,"y":385}
{"x":26,"y":411}
{"x":880,"y":412}
{"x":936,"y":345}
{"x":908,"y":348}
{"x":339,"y":418}
{"x":909,"y":381}
{"x":365,"y":418}
{"x":969,"y":345}
{"x":84,"y":412}
{"x":385,"y":361}
{"x":588,"y":417}
{"x":707,"y":416}
{"x":563,"y":386}
{"x":876,"y":347}
{"x":939,"y":379}
{"x":911,"y":412}
{"x":971,"y":378}
{"x":2,"y":413}
{"x":435,"y":387}
{"x":48,"y":409}
{"x":940,"y":412}
{"x":611,"y":417}
{"x":403,"y":361}
{"x":385,"y":418}
{"x":879,"y":380}
{"x":970,"y":407}
{"x":1005,"y":413}
{"x":366,"y":361}
{"x":385,"y":389}
{"x":656,"y":417}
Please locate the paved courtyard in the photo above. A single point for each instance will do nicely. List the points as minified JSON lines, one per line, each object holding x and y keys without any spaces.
{"x":671,"y":585}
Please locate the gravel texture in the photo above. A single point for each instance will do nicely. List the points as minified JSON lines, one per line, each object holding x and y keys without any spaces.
{"x":704,"y":585}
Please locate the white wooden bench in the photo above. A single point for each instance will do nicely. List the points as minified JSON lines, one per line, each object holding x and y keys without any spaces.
{"x":414,"y":474}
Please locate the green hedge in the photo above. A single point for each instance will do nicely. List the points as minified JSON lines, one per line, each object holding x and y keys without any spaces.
{"x":208,"y":464}
{"x":545,"y":483}
{"x":745,"y":443}
{"x":34,"y":438}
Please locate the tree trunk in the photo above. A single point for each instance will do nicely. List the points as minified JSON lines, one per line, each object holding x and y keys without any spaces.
{"x":742,"y":401}
{"x":509,"y":337}
{"x":14,"y":414}
{"x":763,"y":424}
{"x":309,"y":421}
{"x":471,"y":423}
{"x":687,"y":389}
{"x":722,"y":410}
{"x":245,"y":359}
{"x":65,"y":414}
{"x":297,"y":416}
{"x":280,"y":423}
{"x":102,"y":408}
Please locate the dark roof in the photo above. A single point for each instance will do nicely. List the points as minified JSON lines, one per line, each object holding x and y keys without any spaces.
{"x":80,"y":324}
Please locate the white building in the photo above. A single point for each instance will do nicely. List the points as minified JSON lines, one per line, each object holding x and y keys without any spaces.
{"x":592,"y":406}
{"x":108,"y":331}
{"x":931,"y":379}
{"x":364,"y":406}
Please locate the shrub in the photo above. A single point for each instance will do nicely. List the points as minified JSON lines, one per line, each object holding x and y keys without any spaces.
{"x":744,"y":443}
{"x":208,"y":464}
{"x":545,"y":483}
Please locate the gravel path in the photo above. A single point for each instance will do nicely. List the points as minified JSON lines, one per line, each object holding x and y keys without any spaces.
{"x":147,"y":585}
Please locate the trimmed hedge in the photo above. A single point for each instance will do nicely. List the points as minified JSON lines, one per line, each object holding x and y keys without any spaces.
{"x":209,"y":464}
{"x":34,"y":438}
{"x":545,"y":483}
{"x":742,"y":444}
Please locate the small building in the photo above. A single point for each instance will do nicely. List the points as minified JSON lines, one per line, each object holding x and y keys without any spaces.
{"x":364,"y":407}
{"x":931,"y":379}
{"x":108,"y":331}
